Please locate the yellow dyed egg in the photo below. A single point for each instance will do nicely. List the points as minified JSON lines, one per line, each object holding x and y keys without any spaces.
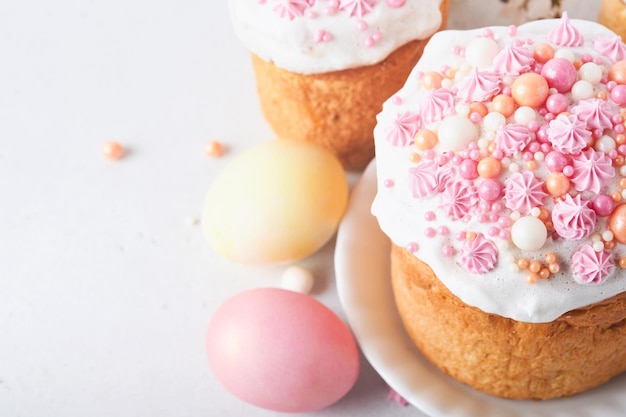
{"x":279,"y":201}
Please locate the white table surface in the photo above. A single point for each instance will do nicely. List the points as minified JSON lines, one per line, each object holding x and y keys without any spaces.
{"x":106,"y":283}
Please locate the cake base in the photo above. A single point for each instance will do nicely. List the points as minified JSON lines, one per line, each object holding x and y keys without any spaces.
{"x":613,"y":16}
{"x":336,"y":110}
{"x":500,"y":356}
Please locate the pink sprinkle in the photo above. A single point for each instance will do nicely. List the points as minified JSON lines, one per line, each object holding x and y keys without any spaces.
{"x":330,"y":11}
{"x":377,"y":36}
{"x":617,"y":118}
{"x":568,"y":170}
{"x":443,"y":230}
{"x":546,"y":147}
{"x":397,"y":100}
{"x":512,"y":30}
{"x":430,"y":216}
{"x":493,"y":217}
{"x":493,"y":231}
{"x":311,"y":14}
{"x":498,"y":154}
{"x":442,"y":160}
{"x":429,"y":232}
{"x":327,"y":37}
{"x":429,"y":154}
{"x":369,"y":42}
{"x":534,"y":147}
{"x":597,"y":133}
{"x":622,"y":149}
{"x":484,"y":206}
{"x":472,"y":146}
{"x":533,"y":126}
{"x":448,"y":251}
{"x":475,"y":117}
{"x":460,"y":236}
{"x":597,"y":60}
{"x":497,"y":207}
{"x":586,"y":58}
{"x":468,"y":169}
{"x":483,"y":218}
{"x":504,"y":234}
{"x":475,"y":154}
{"x":389,"y":183}
{"x":412,"y":247}
{"x":334,"y":4}
{"x":612,"y":154}
{"x":456,"y":159}
{"x":444,"y":68}
{"x":362,"y":25}
{"x":549,"y":117}
{"x":393,"y":395}
{"x":319,"y":36}
{"x":610,"y":85}
{"x":603,"y":205}
{"x":528,"y":156}
{"x":419,"y":75}
{"x":487,"y":33}
{"x":504,"y":221}
{"x":542,"y":133}
{"x":506,"y":90}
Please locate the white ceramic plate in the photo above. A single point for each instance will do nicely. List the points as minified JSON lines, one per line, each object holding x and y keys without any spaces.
{"x":362,"y":271}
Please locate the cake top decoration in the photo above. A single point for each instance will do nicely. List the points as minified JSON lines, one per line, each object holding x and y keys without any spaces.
{"x":317,"y":36}
{"x":519,"y":148}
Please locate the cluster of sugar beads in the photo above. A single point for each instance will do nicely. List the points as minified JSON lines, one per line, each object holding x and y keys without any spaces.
{"x":293,"y":9}
{"x":534,"y":98}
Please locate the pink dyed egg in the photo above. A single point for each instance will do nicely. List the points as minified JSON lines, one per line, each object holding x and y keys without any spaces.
{"x":282,"y":350}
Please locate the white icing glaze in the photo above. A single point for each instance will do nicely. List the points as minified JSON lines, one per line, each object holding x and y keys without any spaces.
{"x":295,"y":44}
{"x":503,"y":290}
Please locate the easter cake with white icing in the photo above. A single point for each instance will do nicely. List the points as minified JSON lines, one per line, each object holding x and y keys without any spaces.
{"x":502,"y":186}
{"x":324,"y":67}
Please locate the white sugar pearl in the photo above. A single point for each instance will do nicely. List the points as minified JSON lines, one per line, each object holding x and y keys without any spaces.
{"x":595,"y":237}
{"x":513,"y":167}
{"x":493,"y":121}
{"x":590,"y":72}
{"x":529,"y":233}
{"x":565,"y":53}
{"x":535,"y":211}
{"x":298,"y":279}
{"x":582,"y":90}
{"x":446,"y":83}
{"x":607,"y":235}
{"x":539,"y":156}
{"x":481,"y":51}
{"x":622,"y":171}
{"x":455,"y":133}
{"x":525,"y":114}
{"x":598,"y":246}
{"x":605,"y":144}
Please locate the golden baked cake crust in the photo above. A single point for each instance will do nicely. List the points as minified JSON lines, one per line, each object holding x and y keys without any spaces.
{"x":507,"y":358}
{"x":338,"y":109}
{"x":613,"y":15}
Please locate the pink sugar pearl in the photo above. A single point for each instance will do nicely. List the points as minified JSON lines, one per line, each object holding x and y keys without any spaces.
{"x":468,"y":169}
{"x":556,"y":103}
{"x":489,"y":190}
{"x":603,"y":205}
{"x":560,"y":74}
{"x":618,"y":95}
{"x":555,"y":161}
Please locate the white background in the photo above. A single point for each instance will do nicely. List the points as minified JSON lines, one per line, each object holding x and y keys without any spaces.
{"x":106,"y":285}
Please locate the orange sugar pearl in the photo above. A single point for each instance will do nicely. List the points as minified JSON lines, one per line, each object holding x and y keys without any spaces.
{"x":432,"y":80}
{"x":478,"y":107}
{"x":470,"y":236}
{"x":544,"y":273}
{"x":609,"y":245}
{"x":618,"y":161}
{"x":620,"y":139}
{"x":554,"y":268}
{"x":557,"y":184}
{"x":549,"y":226}
{"x":544,"y":214}
{"x":622,"y":262}
{"x":622,"y":182}
{"x":489,"y":167}
{"x":543,"y":52}
{"x":616,"y":196}
{"x":577,"y":64}
{"x":530,"y":89}
{"x":535,"y":266}
{"x":601,"y":95}
{"x":522,"y":263}
{"x":531,"y":278}
{"x":112,"y":150}
{"x":425,"y":139}
{"x":503,"y":104}
{"x":491,"y":147}
{"x":213,"y":148}
{"x":414,"y":157}
{"x":617,"y":72}
{"x":450,"y":73}
{"x":550,"y":257}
